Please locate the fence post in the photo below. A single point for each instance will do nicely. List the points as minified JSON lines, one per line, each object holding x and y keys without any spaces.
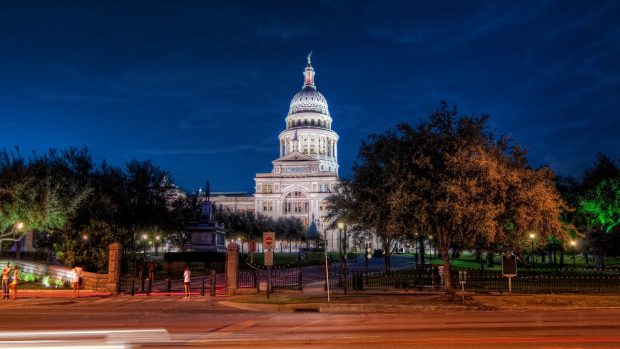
{"x":300,"y":281}
{"x":212,"y":279}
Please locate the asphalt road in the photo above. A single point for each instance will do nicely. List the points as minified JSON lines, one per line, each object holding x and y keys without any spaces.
{"x":124,"y":322}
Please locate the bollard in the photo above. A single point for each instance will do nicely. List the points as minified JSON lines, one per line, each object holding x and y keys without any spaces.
{"x":133,"y":286}
{"x":168,"y":285}
{"x":149,"y":286}
{"x":202,"y":290}
{"x":213,"y":280}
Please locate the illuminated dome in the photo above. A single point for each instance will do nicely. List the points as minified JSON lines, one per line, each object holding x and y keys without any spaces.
{"x":308,"y":100}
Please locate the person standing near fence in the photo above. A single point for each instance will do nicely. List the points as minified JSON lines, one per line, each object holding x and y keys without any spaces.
{"x":13,"y":285}
{"x":187,"y":279}
{"x":5,"y":280}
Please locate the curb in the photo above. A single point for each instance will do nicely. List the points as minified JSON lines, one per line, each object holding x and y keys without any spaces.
{"x":340,"y":307}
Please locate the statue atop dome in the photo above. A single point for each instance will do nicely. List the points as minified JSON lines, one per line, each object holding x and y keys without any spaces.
{"x":309,"y":56}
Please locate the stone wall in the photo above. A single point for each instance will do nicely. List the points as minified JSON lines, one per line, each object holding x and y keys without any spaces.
{"x":40,"y":269}
{"x":91,"y":281}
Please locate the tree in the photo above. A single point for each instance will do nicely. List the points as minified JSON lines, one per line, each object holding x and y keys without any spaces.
{"x":451,"y":178}
{"x":35,"y":199}
{"x":602,"y":204}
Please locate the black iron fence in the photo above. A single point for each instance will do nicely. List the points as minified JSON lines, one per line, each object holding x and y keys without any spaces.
{"x":281,"y":278}
{"x":432,"y":279}
{"x":137,"y":281}
{"x":552,"y":281}
{"x":419,"y":279}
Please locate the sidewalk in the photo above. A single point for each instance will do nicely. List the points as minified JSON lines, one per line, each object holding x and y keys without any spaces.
{"x":314,"y":299}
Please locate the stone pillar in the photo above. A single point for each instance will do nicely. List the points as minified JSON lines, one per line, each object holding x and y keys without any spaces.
{"x":115,"y":255}
{"x":232,"y":267}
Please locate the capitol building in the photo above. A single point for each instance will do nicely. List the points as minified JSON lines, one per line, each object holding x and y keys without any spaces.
{"x":306,"y":172}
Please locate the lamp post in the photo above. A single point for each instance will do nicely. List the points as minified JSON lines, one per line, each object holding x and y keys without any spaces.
{"x":144,"y":237}
{"x":157,"y":237}
{"x":532,"y":237}
{"x":18,"y":248}
{"x":343,"y":229}
{"x":430,"y":247}
{"x":573,"y":243}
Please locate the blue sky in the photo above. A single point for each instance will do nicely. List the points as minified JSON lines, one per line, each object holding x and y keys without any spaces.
{"x":203,"y":87}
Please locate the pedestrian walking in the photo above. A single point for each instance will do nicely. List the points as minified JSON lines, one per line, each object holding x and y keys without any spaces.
{"x":5,"y":280}
{"x":13,"y":284}
{"x":187,"y":279}
{"x":75,"y":282}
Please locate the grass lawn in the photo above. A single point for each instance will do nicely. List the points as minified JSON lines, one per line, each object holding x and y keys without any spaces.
{"x":291,"y":259}
{"x":23,"y":285}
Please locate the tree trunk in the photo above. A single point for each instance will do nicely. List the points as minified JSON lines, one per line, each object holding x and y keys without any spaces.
{"x":490,"y":259}
{"x":481,"y":260}
{"x":447,"y":272}
{"x":562,"y":259}
{"x":387,"y":254}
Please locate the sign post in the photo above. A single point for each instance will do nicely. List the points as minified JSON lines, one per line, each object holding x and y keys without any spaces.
{"x":509,"y":268}
{"x":326,"y":267}
{"x":252,"y":249}
{"x":269,"y":241}
{"x":462,"y":281}
{"x":368,"y":256}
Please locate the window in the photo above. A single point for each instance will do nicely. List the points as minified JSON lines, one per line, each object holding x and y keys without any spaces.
{"x":267,"y":188}
{"x":267,"y":206}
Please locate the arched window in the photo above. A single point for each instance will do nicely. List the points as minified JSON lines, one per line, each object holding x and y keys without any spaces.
{"x":312,"y":122}
{"x":305,"y":122}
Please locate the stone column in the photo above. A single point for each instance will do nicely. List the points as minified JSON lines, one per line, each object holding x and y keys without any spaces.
{"x":115,"y":255}
{"x":232,"y":268}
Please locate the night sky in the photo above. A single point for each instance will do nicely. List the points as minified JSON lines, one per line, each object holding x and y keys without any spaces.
{"x":203,"y":87}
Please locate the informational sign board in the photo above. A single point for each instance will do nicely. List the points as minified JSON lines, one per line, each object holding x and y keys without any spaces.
{"x":509,"y":264}
{"x":268,"y":258}
{"x":269,"y":241}
{"x":252,"y":246}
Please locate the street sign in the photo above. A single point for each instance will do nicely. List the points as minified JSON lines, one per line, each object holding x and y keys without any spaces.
{"x":269,"y":240}
{"x":462,"y":276}
{"x":509,"y":264}
{"x":268,"y":258}
{"x":252,"y":246}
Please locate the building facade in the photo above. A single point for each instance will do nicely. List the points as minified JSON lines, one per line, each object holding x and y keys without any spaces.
{"x":306,"y":172}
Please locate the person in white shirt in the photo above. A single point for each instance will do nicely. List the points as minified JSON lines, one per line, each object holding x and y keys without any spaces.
{"x":187,"y":276}
{"x":75,"y":282}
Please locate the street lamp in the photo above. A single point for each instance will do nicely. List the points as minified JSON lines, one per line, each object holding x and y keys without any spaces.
{"x":573,"y":243}
{"x":343,"y":229}
{"x":85,"y":237}
{"x":144,"y":243}
{"x":532,"y":237}
{"x":156,"y":244}
{"x":18,"y":247}
{"x":430,"y":247}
